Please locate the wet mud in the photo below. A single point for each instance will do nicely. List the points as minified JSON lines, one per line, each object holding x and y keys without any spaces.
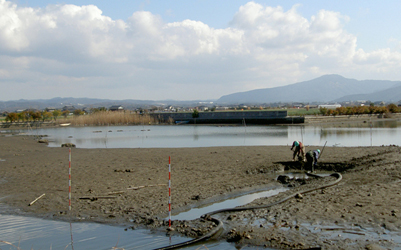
{"x":365,"y":205}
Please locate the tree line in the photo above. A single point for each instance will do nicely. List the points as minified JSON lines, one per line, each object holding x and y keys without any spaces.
{"x":360,"y":110}
{"x":30,"y":115}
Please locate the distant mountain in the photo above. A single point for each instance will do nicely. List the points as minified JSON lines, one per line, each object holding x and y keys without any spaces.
{"x":387,"y":95}
{"x":80,"y":103}
{"x":326,"y":88}
{"x":57,"y":102}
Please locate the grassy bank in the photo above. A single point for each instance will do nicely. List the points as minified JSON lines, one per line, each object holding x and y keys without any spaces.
{"x":302,"y":111}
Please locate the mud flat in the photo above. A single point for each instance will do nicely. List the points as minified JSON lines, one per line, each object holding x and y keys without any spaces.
{"x":129,"y":186}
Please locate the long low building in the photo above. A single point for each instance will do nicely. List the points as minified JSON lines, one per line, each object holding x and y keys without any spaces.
{"x":230,"y":117}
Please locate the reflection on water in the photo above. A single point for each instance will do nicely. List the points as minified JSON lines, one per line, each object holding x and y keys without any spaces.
{"x":385,"y":124}
{"x":361,"y":137}
{"x":34,"y":233}
{"x":170,"y":136}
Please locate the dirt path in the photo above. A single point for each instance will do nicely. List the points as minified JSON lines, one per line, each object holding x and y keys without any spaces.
{"x":123,"y":185}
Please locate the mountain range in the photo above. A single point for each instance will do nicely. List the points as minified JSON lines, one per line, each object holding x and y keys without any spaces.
{"x":80,"y":103}
{"x":324,"y":89}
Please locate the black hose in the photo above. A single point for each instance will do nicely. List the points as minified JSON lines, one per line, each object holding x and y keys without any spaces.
{"x":220,"y":223}
{"x":202,"y":238}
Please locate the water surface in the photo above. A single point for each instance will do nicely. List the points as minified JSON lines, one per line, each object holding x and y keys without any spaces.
{"x":195,"y":213}
{"x":173,"y":136}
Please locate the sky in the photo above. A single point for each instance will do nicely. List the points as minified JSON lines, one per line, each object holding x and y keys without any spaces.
{"x":190,"y":50}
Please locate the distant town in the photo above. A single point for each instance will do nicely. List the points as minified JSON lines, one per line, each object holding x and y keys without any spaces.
{"x":304,"y":109}
{"x":80,"y":109}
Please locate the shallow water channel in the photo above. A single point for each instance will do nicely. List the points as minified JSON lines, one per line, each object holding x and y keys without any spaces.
{"x":34,"y":233}
{"x":195,"y":213}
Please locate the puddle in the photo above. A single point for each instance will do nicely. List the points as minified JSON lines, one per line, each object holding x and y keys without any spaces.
{"x":35,"y":233}
{"x":195,"y":213}
{"x":355,"y":232}
{"x":302,"y":175}
{"x":294,"y":175}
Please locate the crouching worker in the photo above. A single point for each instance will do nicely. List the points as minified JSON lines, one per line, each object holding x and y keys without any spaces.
{"x":311,"y":157}
{"x":299,"y":149}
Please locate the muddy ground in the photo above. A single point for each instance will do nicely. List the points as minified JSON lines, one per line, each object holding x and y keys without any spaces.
{"x":129,"y":186}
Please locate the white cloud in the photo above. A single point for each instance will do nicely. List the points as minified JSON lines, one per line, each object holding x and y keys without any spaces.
{"x":12,"y":27}
{"x":263,"y":47}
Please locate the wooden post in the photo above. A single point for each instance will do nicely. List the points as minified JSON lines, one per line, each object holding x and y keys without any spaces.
{"x":69,"y":180}
{"x":169,"y":191}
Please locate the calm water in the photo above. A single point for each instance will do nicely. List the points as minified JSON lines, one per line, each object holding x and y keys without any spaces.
{"x":32,"y":234}
{"x":173,"y":136}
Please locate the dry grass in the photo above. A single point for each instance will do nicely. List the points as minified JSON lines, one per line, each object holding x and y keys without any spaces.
{"x":111,"y":118}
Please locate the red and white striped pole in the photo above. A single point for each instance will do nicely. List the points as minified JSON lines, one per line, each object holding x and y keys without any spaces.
{"x":169,"y":191}
{"x":69,"y":180}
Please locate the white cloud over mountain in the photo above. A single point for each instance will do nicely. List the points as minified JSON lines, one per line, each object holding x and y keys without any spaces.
{"x":69,"y":50}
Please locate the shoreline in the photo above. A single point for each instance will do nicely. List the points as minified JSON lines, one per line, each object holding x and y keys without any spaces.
{"x":368,"y":195}
{"x":310,"y":120}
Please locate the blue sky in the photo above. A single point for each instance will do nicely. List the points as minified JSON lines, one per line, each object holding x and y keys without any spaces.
{"x":188,"y":50}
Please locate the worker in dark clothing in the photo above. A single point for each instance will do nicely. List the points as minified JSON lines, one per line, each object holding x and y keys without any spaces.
{"x":311,"y":157}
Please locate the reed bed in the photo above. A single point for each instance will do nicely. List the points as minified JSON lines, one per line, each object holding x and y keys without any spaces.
{"x":112,"y":118}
